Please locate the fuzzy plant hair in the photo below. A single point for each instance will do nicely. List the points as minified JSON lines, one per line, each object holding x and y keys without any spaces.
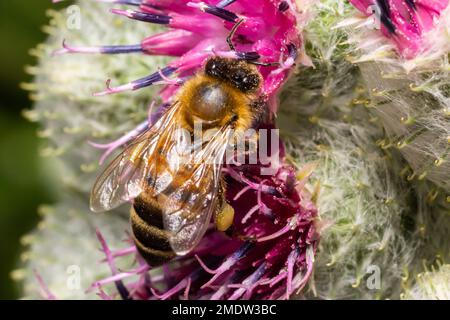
{"x":401,"y":49}
{"x":404,"y":63}
{"x":69,"y":117}
{"x":363,"y":202}
{"x":433,"y":284}
{"x":367,"y":150}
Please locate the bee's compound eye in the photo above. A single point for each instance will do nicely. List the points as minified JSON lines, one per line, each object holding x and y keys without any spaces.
{"x":215,"y":67}
{"x":245,"y":81}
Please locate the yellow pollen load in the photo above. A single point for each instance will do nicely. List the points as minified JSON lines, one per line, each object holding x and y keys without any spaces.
{"x":224,"y":219}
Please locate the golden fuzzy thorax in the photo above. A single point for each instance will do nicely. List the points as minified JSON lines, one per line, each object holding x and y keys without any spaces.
{"x":234,"y":105}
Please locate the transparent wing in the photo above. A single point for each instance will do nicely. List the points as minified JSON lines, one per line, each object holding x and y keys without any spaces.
{"x":125,"y":178}
{"x":183,"y":177}
{"x":188,"y":208}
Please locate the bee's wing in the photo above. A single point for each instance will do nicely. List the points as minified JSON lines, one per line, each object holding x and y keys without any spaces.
{"x":126,"y":177}
{"x":182,"y":177}
{"x":187,"y":209}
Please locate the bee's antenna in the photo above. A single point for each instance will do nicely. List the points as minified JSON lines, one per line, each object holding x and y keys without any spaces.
{"x":231,"y":34}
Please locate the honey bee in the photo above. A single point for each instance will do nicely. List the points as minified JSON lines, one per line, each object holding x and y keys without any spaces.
{"x":175,"y":192}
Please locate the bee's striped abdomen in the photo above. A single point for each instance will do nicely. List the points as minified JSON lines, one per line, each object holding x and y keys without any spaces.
{"x":151,"y":240}
{"x":147,"y":213}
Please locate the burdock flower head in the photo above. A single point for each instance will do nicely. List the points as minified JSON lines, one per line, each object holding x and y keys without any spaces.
{"x":269,"y":251}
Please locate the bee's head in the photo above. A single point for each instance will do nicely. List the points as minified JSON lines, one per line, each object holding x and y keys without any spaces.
{"x":238,"y":73}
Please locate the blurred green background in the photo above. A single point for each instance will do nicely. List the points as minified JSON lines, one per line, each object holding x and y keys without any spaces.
{"x":24,"y":182}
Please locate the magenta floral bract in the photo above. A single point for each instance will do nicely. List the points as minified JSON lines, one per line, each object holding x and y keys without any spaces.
{"x":268,"y":254}
{"x":405,"y":22}
{"x":198,"y":30}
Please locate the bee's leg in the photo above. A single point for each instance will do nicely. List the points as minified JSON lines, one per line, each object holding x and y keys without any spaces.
{"x":260,"y":110}
{"x":290,"y":61}
{"x":265,"y":64}
{"x":251,"y":57}
{"x":225,"y":213}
